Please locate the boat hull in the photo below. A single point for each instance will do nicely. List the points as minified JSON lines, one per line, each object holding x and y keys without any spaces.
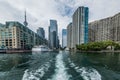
{"x":38,"y":49}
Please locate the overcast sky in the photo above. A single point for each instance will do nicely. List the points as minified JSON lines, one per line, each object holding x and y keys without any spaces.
{"x":39,"y":12}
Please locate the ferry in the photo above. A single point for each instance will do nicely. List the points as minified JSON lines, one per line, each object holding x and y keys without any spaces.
{"x":40,"y":48}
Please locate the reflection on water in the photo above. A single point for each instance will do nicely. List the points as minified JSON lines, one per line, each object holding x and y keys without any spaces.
{"x":107,"y":64}
{"x":9,"y":61}
{"x":13,"y":65}
{"x":107,"y":60}
{"x":60,"y":66}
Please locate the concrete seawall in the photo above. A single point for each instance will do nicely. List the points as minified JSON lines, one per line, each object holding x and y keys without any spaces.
{"x":14,"y":51}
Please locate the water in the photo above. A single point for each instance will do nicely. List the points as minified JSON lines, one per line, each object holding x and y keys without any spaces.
{"x":60,"y":66}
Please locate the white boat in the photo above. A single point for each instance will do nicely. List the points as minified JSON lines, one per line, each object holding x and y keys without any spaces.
{"x":40,"y":48}
{"x":66,"y":49}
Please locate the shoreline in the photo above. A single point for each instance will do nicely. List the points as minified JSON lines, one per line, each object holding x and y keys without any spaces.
{"x":15,"y":51}
{"x":25,"y":51}
{"x":102,"y":51}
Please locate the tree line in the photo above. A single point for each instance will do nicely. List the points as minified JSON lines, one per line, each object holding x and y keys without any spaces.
{"x":98,"y":46}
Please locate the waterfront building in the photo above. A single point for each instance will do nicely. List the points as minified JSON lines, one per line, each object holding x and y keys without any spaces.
{"x":53,"y":34}
{"x":14,"y":35}
{"x":64,"y":38}
{"x":80,"y":26}
{"x":41,"y":32}
{"x":105,"y":29}
{"x":69,"y":35}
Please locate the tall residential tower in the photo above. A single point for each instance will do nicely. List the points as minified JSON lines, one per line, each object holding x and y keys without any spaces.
{"x":69,"y":35}
{"x":80,"y":26}
{"x":105,"y":29}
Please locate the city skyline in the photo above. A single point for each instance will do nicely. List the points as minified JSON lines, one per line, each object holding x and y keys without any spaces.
{"x":39,"y":14}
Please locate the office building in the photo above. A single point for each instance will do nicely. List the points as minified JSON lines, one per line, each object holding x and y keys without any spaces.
{"x":105,"y":29}
{"x":69,"y":35}
{"x":80,"y":26}
{"x":64,"y":38}
{"x":58,"y":42}
{"x":41,"y":32}
{"x":53,"y":34}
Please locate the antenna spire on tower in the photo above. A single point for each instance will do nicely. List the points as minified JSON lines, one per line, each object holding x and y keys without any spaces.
{"x":25,"y":22}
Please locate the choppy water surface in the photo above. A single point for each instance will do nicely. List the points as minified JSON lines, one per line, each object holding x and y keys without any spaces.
{"x":60,"y":66}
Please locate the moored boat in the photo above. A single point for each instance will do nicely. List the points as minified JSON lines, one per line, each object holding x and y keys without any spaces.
{"x":41,"y":48}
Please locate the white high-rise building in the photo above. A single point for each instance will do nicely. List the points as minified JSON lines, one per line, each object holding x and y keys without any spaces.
{"x":80,"y":26}
{"x":69,"y":35}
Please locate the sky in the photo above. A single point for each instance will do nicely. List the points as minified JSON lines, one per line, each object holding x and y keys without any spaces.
{"x":39,"y":12}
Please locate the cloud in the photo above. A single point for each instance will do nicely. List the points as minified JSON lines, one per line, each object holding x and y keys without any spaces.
{"x":39,"y":12}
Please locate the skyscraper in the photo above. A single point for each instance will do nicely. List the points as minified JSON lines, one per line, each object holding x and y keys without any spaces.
{"x":41,"y":32}
{"x":53,"y":34}
{"x":64,"y":38}
{"x":80,"y":26}
{"x":69,"y":35}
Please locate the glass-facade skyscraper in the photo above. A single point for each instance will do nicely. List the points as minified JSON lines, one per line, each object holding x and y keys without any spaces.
{"x":64,"y":38}
{"x":41,"y":32}
{"x":53,"y":35}
{"x":80,"y":26}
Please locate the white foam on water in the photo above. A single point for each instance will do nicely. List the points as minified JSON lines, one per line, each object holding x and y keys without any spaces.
{"x":60,"y":71}
{"x":36,"y":74}
{"x":71,"y":63}
{"x":90,"y":74}
{"x":3,"y":73}
{"x":86,"y":73}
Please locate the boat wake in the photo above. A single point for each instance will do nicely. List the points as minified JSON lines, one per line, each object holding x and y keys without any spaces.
{"x":86,"y":73}
{"x":36,"y":74}
{"x":60,"y":71}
